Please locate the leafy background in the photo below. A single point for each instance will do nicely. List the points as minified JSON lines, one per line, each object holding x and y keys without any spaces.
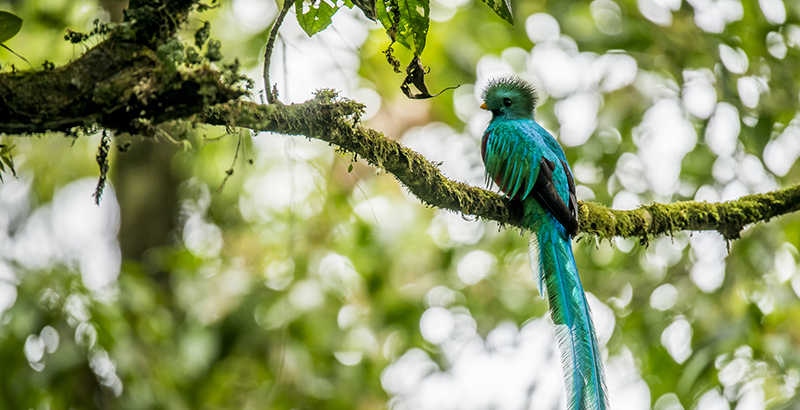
{"x":308,"y":284}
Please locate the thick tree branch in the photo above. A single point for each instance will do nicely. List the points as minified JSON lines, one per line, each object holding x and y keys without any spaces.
{"x":335,"y":121}
{"x":122,"y":83}
{"x":119,"y":87}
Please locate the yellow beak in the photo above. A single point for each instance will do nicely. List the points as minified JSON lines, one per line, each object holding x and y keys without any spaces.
{"x":483,"y":106}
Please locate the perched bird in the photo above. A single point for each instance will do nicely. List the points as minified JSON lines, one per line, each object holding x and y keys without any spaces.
{"x":528,"y":164}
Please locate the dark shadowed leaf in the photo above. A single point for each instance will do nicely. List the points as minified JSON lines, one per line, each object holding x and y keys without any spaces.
{"x":415,"y":75}
{"x":405,"y":21}
{"x":502,"y":8}
{"x":10,"y":25}
{"x":366,"y":6}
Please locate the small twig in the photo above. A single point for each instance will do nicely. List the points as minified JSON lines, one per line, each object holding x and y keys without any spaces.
{"x":217,"y":138}
{"x":273,"y":34}
{"x":244,"y":146}
{"x":102,"y":162}
{"x":285,"y":68}
{"x":186,"y":145}
{"x":13,"y":52}
{"x":229,"y":171}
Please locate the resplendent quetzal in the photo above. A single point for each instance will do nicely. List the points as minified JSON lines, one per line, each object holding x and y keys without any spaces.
{"x":528,"y":164}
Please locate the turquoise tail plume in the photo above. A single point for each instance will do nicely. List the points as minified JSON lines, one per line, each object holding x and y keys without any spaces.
{"x":528,"y":164}
{"x":557,"y":277}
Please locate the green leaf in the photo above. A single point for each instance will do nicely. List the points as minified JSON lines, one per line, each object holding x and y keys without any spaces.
{"x":10,"y":25}
{"x":317,"y":17}
{"x":502,"y":8}
{"x":6,"y":160}
{"x":10,"y":163}
{"x":406,"y":21}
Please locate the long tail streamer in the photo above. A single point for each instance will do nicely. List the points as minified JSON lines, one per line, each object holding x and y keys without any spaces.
{"x":557,"y":277}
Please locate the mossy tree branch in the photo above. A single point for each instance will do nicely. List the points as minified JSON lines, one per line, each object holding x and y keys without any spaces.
{"x":335,"y":121}
{"x":122,"y":83}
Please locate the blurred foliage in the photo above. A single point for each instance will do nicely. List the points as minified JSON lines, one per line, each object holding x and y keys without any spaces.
{"x":299,"y":283}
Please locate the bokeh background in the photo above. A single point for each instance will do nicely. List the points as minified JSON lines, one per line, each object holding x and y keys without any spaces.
{"x":307,"y":284}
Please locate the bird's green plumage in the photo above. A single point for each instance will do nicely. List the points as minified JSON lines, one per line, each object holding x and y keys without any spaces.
{"x":515,"y":149}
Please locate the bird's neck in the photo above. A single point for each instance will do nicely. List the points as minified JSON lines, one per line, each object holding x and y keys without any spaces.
{"x":510,"y":116}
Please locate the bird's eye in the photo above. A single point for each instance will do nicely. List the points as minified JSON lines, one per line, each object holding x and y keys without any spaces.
{"x":507,"y":102}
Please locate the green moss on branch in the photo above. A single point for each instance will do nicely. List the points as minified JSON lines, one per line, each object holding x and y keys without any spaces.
{"x":335,"y":121}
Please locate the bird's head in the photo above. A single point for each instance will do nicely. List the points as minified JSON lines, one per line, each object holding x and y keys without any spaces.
{"x":510,"y":97}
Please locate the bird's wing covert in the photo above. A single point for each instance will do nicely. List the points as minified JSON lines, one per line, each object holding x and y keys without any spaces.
{"x":547,"y":195}
{"x":520,"y":167}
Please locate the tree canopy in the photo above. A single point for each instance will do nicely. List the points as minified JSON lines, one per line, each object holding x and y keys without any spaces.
{"x":167,"y":240}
